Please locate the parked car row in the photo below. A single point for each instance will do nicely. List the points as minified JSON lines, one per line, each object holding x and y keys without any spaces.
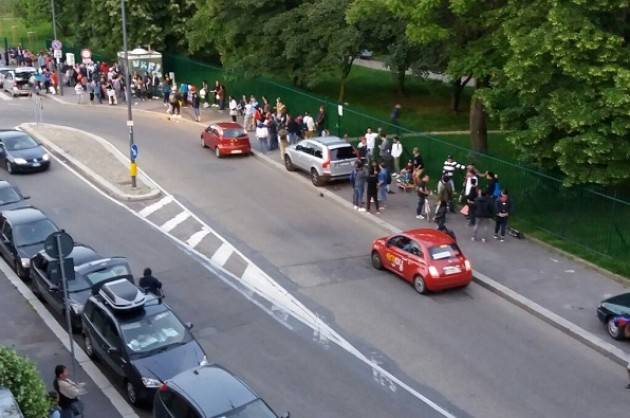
{"x":132,"y":332}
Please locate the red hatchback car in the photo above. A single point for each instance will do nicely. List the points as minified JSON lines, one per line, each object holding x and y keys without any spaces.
{"x":426,"y":258}
{"x":226,"y":138}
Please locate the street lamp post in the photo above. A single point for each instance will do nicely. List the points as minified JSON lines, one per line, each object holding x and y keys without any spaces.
{"x":133,"y":168}
{"x":58,"y":60}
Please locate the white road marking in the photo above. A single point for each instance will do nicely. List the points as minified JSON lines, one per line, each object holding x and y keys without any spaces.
{"x":221,"y":255}
{"x":196,"y":238}
{"x":172,"y":223}
{"x":54,"y":98}
{"x":259,"y":282}
{"x":83,"y":360}
{"x":154,"y":207}
{"x":4,"y":96}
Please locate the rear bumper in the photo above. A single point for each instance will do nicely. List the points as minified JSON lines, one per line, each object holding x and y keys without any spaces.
{"x":449,"y":282}
{"x":234,"y":149}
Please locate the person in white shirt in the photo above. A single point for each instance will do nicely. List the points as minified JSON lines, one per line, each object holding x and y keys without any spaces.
{"x":262,"y":134}
{"x":370,"y":138}
{"x":397,"y":151}
{"x":310,"y":125}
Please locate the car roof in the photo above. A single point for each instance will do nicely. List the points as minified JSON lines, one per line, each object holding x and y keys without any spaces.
{"x":23,"y":215}
{"x":5,"y":184}
{"x":228,"y":125}
{"x":24,"y":69}
{"x":11,"y":133}
{"x":213,"y":389}
{"x":330,"y":140}
{"x":429,"y":236}
{"x":81,"y":254}
{"x":622,"y":299}
{"x":98,"y":263}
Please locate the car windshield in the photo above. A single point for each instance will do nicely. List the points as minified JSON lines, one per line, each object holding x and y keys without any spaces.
{"x":9,"y":195}
{"x":343,"y":153}
{"x":255,"y":409}
{"x":233,"y":133}
{"x":33,"y":233}
{"x":444,"y":251}
{"x":154,"y":332}
{"x":19,"y":142}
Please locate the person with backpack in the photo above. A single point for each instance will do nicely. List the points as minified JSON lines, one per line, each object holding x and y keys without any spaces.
{"x":484,"y":210}
{"x":503,"y":209}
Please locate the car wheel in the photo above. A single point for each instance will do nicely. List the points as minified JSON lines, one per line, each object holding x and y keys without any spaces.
{"x":316,"y":178}
{"x":288,"y":163}
{"x":419,"y":285}
{"x":217,"y":152}
{"x":614,"y":330}
{"x":203,"y":143}
{"x":89,"y":347}
{"x":377,"y":263}
{"x":132,"y":394}
{"x":9,"y":167}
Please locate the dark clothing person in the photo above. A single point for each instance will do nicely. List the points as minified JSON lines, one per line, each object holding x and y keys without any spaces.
{"x":423,"y":194}
{"x":150,"y":283}
{"x":470,"y":201}
{"x":372,"y":190}
{"x":320,"y":122}
{"x":503,"y":208}
{"x":484,"y":210}
{"x":417,"y":161}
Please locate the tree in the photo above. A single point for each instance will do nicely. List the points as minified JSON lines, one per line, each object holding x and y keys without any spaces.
{"x":20,"y":376}
{"x":565,"y":87}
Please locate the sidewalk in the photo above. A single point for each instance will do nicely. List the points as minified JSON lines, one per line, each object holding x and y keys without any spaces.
{"x":24,"y":331}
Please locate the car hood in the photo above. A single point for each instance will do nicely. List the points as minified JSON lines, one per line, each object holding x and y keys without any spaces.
{"x":80,"y":297}
{"x":13,"y":205}
{"x":29,"y":251}
{"x":164,"y":365}
{"x":27,"y":154}
{"x":619,"y":304}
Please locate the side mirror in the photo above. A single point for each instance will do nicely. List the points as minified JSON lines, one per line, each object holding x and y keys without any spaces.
{"x":189,"y":325}
{"x":53,"y":288}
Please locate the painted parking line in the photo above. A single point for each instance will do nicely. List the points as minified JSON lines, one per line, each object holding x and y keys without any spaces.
{"x":172,"y":223}
{"x":197,"y":237}
{"x":148,"y":210}
{"x":221,"y":255}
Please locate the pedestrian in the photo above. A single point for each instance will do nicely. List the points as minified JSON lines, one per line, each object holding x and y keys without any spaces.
{"x":370,"y":141}
{"x":166,"y":90}
{"x":358,"y":180}
{"x":386,"y":152}
{"x":233,"y":104}
{"x":148,"y":283}
{"x":445,"y":194}
{"x":362,"y":150}
{"x":321,"y":120}
{"x":383,"y":176}
{"x":395,"y":116}
{"x":397,"y":151}
{"x":503,"y":209}
{"x":448,"y":169}
{"x":484,"y":210}
{"x":310,"y":125}
{"x":293,"y":130}
{"x":262,"y":134}
{"x":248,"y":115}
{"x":418,"y":162}
{"x":91,"y":87}
{"x":68,"y":392}
{"x":98,"y":91}
{"x":272,"y":127}
{"x":78,"y":90}
{"x":372,"y":188}
{"x":423,"y":194}
{"x":196,"y":104}
{"x":493,"y":188}
{"x":471,"y":197}
{"x":111,"y":94}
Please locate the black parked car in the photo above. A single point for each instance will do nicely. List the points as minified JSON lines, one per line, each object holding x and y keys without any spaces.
{"x":22,"y":234}
{"x":20,"y":153}
{"x":615,"y":313}
{"x":89,"y":269}
{"x":208,"y":392}
{"x":138,"y":337}
{"x":10,"y":196}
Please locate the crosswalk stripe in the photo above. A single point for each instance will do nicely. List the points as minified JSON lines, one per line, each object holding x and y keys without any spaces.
{"x":196,"y":238}
{"x":172,"y":223}
{"x":155,"y":206}
{"x":221,"y":255}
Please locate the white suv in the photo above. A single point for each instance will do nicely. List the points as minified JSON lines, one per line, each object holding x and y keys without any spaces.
{"x":324,"y":158}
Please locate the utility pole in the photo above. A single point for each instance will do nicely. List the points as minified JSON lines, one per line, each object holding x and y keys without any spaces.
{"x":133,"y":168}
{"x":58,"y":60}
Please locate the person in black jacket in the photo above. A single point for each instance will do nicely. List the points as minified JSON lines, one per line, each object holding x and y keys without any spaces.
{"x":372,"y":188}
{"x":470,"y":201}
{"x":484,"y":210}
{"x":150,"y":283}
{"x":503,"y":209}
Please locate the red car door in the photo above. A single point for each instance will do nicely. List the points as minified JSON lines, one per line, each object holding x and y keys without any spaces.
{"x":395,"y":257}
{"x":416,"y":263}
{"x":214,"y":137}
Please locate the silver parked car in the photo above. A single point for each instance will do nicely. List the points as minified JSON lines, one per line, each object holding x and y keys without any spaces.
{"x":19,"y":81}
{"x":324,"y":158}
{"x":8,"y":405}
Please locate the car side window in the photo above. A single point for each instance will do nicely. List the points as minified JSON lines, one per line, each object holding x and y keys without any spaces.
{"x":110,"y":333}
{"x":415,"y":249}
{"x":88,"y":310}
{"x":7,"y":233}
{"x":307,"y":149}
{"x":98,"y":320}
{"x":399,"y":241}
{"x":179,"y":407}
{"x":317,"y":151}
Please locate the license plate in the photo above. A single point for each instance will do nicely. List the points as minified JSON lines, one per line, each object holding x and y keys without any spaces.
{"x":237,"y":151}
{"x":35,"y":165}
{"x":452,"y":270}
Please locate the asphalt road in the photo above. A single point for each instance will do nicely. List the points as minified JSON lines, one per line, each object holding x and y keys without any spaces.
{"x":469,"y":351}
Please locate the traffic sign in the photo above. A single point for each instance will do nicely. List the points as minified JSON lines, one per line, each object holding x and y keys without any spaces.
{"x":65,"y":241}
{"x":57,"y":53}
{"x":134,"y":151}
{"x":56,"y":44}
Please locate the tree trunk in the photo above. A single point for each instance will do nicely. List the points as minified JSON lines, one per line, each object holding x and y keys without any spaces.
{"x":478,"y":123}
{"x":458,"y":89}
{"x":342,"y":89}
{"x":345,"y":72}
{"x":400,"y":80}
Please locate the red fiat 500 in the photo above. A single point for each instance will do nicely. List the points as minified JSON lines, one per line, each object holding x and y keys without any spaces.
{"x":426,"y":258}
{"x":226,"y":138}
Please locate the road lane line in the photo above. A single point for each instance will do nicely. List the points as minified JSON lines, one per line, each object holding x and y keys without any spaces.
{"x":221,"y":255}
{"x":99,"y":379}
{"x":196,"y":238}
{"x":154,"y":207}
{"x":172,"y":223}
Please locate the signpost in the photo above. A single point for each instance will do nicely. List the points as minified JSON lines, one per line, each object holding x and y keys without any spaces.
{"x":56,"y":44}
{"x":59,"y":245}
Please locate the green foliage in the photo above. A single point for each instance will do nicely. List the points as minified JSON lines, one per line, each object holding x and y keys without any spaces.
{"x":565,"y":86}
{"x":20,"y":376}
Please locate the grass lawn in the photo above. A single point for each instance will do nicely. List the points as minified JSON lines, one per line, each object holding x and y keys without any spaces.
{"x":32,"y":37}
{"x":425,"y":106}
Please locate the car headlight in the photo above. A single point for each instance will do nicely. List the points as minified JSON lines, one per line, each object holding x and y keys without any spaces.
{"x":46,"y":157}
{"x":26,"y":262}
{"x":19,"y":160}
{"x":151,"y":383}
{"x":204,"y":361}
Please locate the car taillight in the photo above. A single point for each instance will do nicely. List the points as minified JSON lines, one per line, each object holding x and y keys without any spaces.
{"x":326,"y":164}
{"x":433,"y":271}
{"x":163,"y":388}
{"x":467,"y":265}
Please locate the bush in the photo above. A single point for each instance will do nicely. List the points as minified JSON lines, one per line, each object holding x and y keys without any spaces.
{"x":20,"y":376}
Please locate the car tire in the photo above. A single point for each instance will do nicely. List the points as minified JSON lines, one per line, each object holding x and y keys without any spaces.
{"x":89,"y":346}
{"x":217,"y":152}
{"x":377,"y":263}
{"x":316,"y":178}
{"x":288,"y":164}
{"x":131,"y":393}
{"x":203,"y":143}
{"x":9,"y":167}
{"x":419,"y":285}
{"x":614,"y":331}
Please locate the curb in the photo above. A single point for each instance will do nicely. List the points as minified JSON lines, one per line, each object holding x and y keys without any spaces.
{"x":110,"y":188}
{"x":569,"y":328}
